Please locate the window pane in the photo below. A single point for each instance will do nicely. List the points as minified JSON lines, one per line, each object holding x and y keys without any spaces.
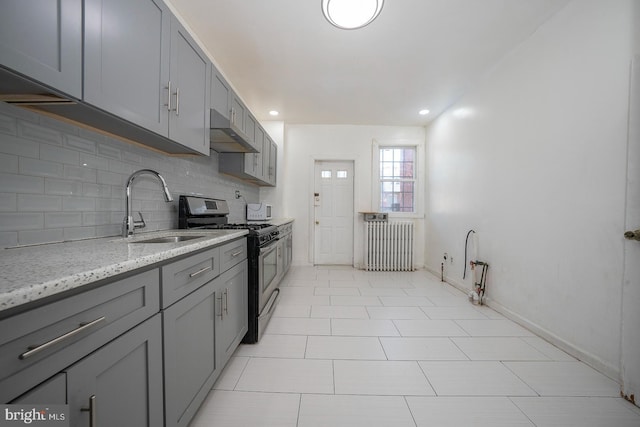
{"x":341,"y":174}
{"x":325,"y":174}
{"x":397,"y":196}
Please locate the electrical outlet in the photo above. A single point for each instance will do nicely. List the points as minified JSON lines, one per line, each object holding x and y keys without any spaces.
{"x":237,"y":194}
{"x":451,"y":258}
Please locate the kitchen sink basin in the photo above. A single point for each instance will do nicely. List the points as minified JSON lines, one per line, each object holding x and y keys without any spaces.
{"x":167,"y":239}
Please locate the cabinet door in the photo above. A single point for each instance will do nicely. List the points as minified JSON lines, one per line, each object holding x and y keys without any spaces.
{"x":273,"y":156}
{"x":190,"y":366}
{"x":220,"y":94}
{"x":126,"y":60}
{"x":51,"y":392}
{"x":121,"y":383}
{"x":190,"y":68}
{"x":43,"y":40}
{"x":238,"y":114}
{"x":232,"y":314}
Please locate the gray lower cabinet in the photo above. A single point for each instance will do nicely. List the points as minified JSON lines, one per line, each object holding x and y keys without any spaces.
{"x":50,"y":392}
{"x":43,"y":40}
{"x":190,"y":367}
{"x":232,"y":315}
{"x":121,"y":383}
{"x":202,"y":329}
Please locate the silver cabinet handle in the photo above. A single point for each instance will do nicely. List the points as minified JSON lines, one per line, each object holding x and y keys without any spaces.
{"x":32,"y":350}
{"x":220,"y":299}
{"x":235,"y":254}
{"x":168,"y":104}
{"x":92,"y":411}
{"x":177,"y":101}
{"x":202,"y":270}
{"x":226,"y":301}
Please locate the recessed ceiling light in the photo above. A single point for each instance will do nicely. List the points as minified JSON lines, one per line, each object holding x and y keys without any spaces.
{"x":273,"y":113}
{"x":423,"y":112}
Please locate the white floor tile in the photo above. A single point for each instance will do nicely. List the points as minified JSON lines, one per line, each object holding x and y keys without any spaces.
{"x":240,"y":409}
{"x":449,"y":301}
{"x":339,"y":312}
{"x":341,"y":274}
{"x":358,"y":283}
{"x":578,"y":411}
{"x":383,"y":292}
{"x":306,"y":283}
{"x":564,"y":379}
{"x":362,"y":348}
{"x":421,"y":349}
{"x":364,"y":328}
{"x":497,"y":348}
{"x":355,"y":300}
{"x":429,"y":328}
{"x":354,"y":411}
{"x":406,"y":301}
{"x":298,"y":326}
{"x":275,"y":346}
{"x":380,"y":378}
{"x":231,"y":373}
{"x":304,"y":300}
{"x":287,"y":376}
{"x":474,"y":379}
{"x":297,"y":290}
{"x":285,"y":310}
{"x":399,"y":313}
{"x":493,"y":328}
{"x":429,"y":291}
{"x":454,"y":313}
{"x":390,"y":282}
{"x":474,"y":411}
{"x":353,"y":291}
{"x":551,"y":351}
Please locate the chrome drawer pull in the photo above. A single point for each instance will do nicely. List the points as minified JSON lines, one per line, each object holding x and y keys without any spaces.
{"x":35,"y":349}
{"x":93,"y":422}
{"x":202,"y":270}
{"x":235,"y":254}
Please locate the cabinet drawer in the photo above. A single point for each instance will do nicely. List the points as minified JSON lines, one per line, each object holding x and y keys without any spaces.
{"x":37,"y":344}
{"x":232,"y":253}
{"x":185,"y":276}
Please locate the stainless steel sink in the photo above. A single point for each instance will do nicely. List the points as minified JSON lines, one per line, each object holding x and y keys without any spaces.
{"x":167,"y":239}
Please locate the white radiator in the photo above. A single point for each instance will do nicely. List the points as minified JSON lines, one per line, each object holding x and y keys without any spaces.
{"x":388,"y":246}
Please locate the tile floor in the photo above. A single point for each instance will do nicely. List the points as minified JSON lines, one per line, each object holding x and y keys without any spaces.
{"x":352,"y":348}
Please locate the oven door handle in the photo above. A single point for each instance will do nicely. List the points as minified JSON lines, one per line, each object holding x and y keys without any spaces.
{"x":270,"y":305}
{"x":268,"y":249}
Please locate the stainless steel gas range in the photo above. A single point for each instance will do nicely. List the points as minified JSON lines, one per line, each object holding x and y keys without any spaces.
{"x":204,"y":213}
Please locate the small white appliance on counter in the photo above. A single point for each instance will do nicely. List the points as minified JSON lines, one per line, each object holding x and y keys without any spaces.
{"x":258,"y":211}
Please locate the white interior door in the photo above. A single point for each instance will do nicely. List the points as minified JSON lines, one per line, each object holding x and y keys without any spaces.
{"x":631,"y":285}
{"x":333,"y":213}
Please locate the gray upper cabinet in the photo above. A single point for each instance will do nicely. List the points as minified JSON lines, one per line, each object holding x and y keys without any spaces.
{"x":256,"y":168}
{"x":190,"y":70}
{"x":142,"y":66}
{"x":43,"y":40}
{"x":127,"y":60}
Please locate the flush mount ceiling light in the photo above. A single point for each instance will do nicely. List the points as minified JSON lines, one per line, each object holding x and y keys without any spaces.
{"x":423,"y":112}
{"x":351,"y":14}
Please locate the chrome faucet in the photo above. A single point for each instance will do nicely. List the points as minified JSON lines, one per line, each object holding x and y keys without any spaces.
{"x":129,"y":225}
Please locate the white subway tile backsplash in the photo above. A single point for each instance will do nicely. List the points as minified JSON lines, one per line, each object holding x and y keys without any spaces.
{"x":8,"y":202}
{"x":80,"y":144}
{"x":14,"y":183}
{"x":59,"y":154}
{"x":62,"y":187}
{"x":80,"y":173}
{"x":37,"y":167}
{"x":47,"y":194}
{"x":39,"y":133}
{"x":8,"y":163}
{"x":20,"y":147}
{"x":71,"y":203}
{"x":62,"y":219}
{"x":12,"y":221}
{"x":39,"y":203}
{"x":34,"y":237}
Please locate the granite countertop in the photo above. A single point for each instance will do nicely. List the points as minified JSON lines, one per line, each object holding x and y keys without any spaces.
{"x":30,"y":273}
{"x":280,"y":221}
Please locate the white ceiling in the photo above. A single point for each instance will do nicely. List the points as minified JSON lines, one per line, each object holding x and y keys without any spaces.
{"x":283,"y":55}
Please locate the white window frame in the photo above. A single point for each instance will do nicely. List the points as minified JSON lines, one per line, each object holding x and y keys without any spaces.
{"x":419,"y":176}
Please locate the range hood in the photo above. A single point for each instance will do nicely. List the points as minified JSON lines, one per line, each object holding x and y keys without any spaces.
{"x":226,"y":138}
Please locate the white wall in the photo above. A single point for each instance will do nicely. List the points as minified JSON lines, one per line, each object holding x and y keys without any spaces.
{"x":307,"y":143}
{"x":534,"y":160}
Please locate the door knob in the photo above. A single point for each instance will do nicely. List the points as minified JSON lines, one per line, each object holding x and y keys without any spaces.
{"x":317,"y":222}
{"x":632,"y":235}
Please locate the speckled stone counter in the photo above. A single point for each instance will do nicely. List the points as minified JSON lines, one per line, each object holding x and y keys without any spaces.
{"x":280,"y":221}
{"x":30,"y":273}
